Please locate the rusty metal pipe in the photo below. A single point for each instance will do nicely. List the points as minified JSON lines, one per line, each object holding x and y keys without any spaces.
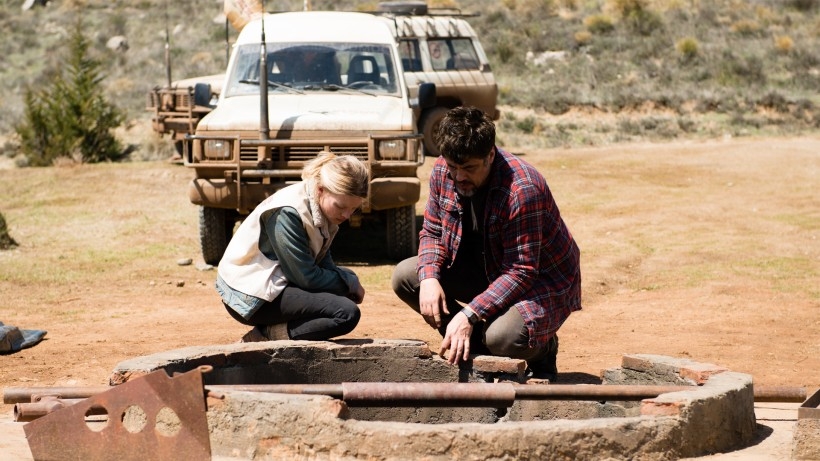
{"x":522,"y":391}
{"x":31,"y":394}
{"x":487,"y":394}
{"x":24,"y":412}
{"x":780,"y":394}
{"x":492,"y":395}
{"x":458,"y":394}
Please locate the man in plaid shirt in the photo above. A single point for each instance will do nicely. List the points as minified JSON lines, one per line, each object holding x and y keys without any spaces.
{"x":497,"y":271}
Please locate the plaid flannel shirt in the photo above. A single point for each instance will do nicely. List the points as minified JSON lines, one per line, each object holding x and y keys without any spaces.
{"x":531,"y":259}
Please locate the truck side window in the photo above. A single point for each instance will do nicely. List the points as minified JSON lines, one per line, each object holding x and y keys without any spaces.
{"x":410,"y":58}
{"x":463,"y":56}
{"x":440,"y":54}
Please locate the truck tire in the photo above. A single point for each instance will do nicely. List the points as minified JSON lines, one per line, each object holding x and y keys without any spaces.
{"x":429,"y":122}
{"x":215,"y":231}
{"x":402,"y":238}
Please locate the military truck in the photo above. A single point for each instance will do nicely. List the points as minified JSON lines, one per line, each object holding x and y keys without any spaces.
{"x":333,"y":83}
{"x":180,"y":106}
{"x":440,"y":65}
{"x":437,"y":45}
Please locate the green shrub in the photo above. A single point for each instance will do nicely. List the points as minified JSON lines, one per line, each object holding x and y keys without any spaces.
{"x":6,"y":242}
{"x":527,"y":125}
{"x":688,"y":48}
{"x":804,"y":5}
{"x":70,"y":117}
{"x":599,"y":24}
{"x":644,"y":22}
{"x":746,"y":28}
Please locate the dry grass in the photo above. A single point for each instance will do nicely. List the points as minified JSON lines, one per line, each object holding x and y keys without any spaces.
{"x":702,"y":250}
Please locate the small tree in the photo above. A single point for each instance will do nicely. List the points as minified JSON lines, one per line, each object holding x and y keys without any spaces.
{"x":6,"y":241}
{"x":70,"y":117}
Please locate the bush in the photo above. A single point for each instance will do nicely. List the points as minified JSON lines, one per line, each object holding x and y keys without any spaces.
{"x":783,"y":44}
{"x":599,"y":24}
{"x":6,"y":242}
{"x":70,"y":117}
{"x":688,"y":48}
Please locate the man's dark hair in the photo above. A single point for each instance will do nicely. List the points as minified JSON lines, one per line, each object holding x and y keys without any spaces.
{"x":465,"y":133}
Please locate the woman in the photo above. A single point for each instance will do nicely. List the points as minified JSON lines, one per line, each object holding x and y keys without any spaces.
{"x":277,"y":273}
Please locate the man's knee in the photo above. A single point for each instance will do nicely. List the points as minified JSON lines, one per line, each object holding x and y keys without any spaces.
{"x":505,"y":346}
{"x":508,"y":337}
{"x":405,"y":276}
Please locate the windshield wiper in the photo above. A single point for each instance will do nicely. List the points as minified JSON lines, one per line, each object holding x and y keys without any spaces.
{"x":335,"y":87}
{"x":276,"y":84}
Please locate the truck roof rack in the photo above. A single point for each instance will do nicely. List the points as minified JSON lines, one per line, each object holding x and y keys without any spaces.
{"x":417,"y":8}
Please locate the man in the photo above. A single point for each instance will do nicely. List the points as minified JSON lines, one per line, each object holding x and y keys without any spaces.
{"x":494,"y":241}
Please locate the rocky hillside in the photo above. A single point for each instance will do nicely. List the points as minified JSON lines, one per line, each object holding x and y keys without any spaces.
{"x":571,"y":72}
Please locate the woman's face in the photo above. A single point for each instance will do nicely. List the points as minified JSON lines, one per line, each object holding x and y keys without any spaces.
{"x":338,"y":208}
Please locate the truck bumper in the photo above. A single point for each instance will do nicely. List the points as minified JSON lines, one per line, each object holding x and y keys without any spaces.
{"x":385,"y":193}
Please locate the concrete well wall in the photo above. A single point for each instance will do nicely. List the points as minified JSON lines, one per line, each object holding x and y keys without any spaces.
{"x":716,"y":415}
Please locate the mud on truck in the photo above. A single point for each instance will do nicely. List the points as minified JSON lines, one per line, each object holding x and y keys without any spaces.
{"x":381,"y":82}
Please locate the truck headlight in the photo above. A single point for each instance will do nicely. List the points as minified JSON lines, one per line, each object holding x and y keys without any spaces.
{"x":392,"y":149}
{"x":217,"y":149}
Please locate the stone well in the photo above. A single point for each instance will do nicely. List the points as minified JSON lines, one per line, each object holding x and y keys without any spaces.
{"x":716,"y":415}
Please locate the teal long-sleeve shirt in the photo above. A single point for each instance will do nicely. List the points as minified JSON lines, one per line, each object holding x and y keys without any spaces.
{"x":284,"y":238}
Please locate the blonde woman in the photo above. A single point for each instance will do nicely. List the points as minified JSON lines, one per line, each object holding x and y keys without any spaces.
{"x":277,"y":273}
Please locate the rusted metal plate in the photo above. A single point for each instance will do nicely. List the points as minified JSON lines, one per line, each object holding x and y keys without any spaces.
{"x":809,"y":409}
{"x":153,"y":417}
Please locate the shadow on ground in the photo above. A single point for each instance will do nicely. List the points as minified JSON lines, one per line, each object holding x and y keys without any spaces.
{"x":364,"y":245}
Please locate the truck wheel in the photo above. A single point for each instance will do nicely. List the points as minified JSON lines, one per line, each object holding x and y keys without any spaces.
{"x":429,"y":122}
{"x":215,"y":231}
{"x":402,"y":238}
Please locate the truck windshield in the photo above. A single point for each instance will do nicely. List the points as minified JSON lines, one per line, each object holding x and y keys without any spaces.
{"x":361,"y":68}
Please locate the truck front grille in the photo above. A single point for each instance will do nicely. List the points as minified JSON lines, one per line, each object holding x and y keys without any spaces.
{"x":302,"y":153}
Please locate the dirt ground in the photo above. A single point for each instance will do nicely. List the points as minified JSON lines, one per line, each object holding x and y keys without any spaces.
{"x":704,"y":250}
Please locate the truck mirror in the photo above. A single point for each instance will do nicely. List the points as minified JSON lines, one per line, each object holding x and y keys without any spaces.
{"x":202,"y":94}
{"x":427,"y":95}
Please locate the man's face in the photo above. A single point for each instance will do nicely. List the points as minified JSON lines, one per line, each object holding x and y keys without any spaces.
{"x":471,"y":174}
{"x":435,"y":50}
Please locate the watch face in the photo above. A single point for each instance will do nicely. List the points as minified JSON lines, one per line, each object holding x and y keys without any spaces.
{"x":472,"y":317}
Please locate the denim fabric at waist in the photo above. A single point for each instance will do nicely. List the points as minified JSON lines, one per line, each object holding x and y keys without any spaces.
{"x":244,"y":305}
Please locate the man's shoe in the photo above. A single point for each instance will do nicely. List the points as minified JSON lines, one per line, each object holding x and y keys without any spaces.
{"x":546,"y":366}
{"x":253,"y":336}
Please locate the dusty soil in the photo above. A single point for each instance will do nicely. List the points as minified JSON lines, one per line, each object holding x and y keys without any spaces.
{"x":704,"y":250}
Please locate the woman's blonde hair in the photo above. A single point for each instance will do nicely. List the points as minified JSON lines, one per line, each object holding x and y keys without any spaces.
{"x":338,"y":174}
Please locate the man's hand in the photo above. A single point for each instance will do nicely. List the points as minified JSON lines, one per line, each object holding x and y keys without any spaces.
{"x":432,"y":302}
{"x":457,"y":339}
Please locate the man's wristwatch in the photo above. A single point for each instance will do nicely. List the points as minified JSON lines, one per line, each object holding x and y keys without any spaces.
{"x":472,"y":317}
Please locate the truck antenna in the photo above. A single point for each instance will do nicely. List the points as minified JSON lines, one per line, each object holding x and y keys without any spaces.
{"x":264,"y":123}
{"x":167,"y":48}
{"x":227,"y":42}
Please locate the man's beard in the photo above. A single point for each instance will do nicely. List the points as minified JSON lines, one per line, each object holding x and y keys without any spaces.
{"x":466,"y":192}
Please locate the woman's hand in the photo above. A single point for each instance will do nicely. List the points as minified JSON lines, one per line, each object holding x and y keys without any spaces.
{"x":356,"y":291}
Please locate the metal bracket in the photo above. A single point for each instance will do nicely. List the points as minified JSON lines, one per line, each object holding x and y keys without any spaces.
{"x":152,"y":417}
